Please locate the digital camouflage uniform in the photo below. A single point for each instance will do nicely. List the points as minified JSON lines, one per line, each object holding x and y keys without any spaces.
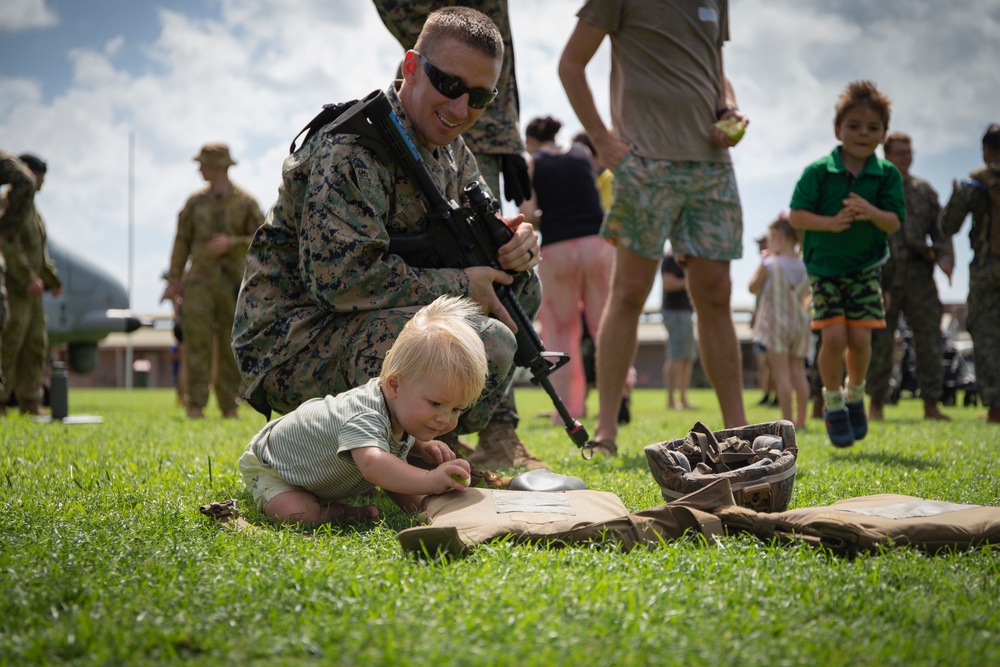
{"x":210,"y":287}
{"x":497,"y":131}
{"x":908,"y":281}
{"x":26,"y":339}
{"x":983,"y":320}
{"x":15,"y":207}
{"x":322,"y":301}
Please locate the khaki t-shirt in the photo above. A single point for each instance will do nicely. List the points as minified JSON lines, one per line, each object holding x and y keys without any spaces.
{"x":665,"y":79}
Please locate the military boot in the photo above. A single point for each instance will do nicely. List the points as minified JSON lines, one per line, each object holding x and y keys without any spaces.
{"x":500,"y":449}
{"x":932,"y":411}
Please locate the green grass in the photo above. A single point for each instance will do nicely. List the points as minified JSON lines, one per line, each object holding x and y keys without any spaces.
{"x":105,"y":559}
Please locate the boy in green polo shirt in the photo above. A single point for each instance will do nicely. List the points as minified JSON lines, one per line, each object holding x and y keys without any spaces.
{"x":847,"y":203}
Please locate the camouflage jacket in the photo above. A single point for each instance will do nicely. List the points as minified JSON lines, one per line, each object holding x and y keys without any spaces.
{"x":27,"y":255}
{"x":204,"y":215}
{"x":321,"y":257}
{"x":17,"y":202}
{"x":497,"y":130}
{"x":969,"y":196}
{"x":908,"y":245}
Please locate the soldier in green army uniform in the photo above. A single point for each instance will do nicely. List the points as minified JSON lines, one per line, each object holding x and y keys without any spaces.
{"x":980,"y":196}
{"x":323,"y":299}
{"x":30,"y":273}
{"x":910,"y":289}
{"x":14,"y":212}
{"x":213,"y":231}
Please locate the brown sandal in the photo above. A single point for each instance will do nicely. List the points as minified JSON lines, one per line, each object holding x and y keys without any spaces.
{"x":603,"y":447}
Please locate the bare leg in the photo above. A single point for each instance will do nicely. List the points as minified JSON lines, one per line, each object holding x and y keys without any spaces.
{"x":859,"y":353}
{"x":800,"y":387}
{"x":669,"y":378}
{"x":678,"y":378}
{"x":781,"y":374}
{"x":764,"y":370}
{"x":633,"y":277}
{"x":831,"y":356}
{"x":305,"y":508}
{"x":710,"y":287}
{"x":687,"y":367}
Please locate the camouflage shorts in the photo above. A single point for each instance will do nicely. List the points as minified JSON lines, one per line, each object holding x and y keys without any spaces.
{"x":694,"y":204}
{"x":853,"y":298}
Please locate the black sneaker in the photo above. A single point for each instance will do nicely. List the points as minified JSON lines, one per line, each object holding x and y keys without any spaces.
{"x":838,"y":427}
{"x":859,"y":420}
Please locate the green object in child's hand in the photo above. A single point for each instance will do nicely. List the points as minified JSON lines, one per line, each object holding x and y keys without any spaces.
{"x":733,"y":128}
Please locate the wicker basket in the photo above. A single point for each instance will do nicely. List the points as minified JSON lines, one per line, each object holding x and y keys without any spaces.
{"x":763,"y":488}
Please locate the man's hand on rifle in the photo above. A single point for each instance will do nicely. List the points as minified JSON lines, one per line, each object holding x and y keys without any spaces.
{"x":481,"y":279}
{"x":522,"y":252}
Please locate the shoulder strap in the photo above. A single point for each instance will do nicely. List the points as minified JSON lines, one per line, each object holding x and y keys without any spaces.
{"x":330,"y":113}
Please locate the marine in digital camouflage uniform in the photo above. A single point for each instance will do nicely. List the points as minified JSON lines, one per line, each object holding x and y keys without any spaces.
{"x":322,"y":300}
{"x":30,"y":273}
{"x":13,"y":213}
{"x":971,"y":195}
{"x":910,"y":288}
{"x":214,"y":230}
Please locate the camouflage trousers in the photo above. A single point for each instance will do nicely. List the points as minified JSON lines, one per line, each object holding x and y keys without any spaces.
{"x":915,"y":296}
{"x":351,"y":349}
{"x":984,"y":324}
{"x":23,"y":351}
{"x":208,"y":326}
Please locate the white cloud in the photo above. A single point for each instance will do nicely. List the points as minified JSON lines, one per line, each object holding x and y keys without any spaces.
{"x":18,"y":15}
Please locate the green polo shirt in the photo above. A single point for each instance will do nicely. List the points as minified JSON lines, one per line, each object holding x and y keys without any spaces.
{"x":822,"y":189}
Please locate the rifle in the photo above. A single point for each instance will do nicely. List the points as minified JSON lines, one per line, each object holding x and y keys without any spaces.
{"x":456,"y":237}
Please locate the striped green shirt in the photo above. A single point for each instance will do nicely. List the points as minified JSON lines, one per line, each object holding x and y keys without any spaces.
{"x":311,"y":446}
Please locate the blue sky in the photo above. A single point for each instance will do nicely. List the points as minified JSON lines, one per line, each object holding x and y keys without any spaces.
{"x":77,"y":79}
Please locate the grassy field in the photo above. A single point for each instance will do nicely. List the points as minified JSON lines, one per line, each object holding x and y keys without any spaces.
{"x":105,"y":559}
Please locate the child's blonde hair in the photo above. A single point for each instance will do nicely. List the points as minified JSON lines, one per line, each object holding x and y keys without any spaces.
{"x":440,"y":341}
{"x":863,"y":94}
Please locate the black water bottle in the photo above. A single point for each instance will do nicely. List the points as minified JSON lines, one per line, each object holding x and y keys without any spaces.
{"x":59,"y":391}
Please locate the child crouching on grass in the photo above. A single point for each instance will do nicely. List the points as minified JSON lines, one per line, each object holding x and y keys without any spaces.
{"x":847,"y":203}
{"x":303,"y":465}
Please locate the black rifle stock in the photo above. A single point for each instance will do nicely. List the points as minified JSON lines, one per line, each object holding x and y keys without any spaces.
{"x":456,"y":237}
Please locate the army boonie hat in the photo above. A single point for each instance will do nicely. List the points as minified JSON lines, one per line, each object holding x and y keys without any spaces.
{"x":34,"y":163}
{"x":215,"y":155}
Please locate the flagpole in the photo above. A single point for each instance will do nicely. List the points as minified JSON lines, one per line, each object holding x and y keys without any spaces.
{"x":131,"y":250}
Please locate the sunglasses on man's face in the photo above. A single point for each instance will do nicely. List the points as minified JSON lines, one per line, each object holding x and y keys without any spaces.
{"x":452,"y":88}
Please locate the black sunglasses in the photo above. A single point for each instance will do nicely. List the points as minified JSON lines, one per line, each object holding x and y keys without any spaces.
{"x":452,"y":88}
